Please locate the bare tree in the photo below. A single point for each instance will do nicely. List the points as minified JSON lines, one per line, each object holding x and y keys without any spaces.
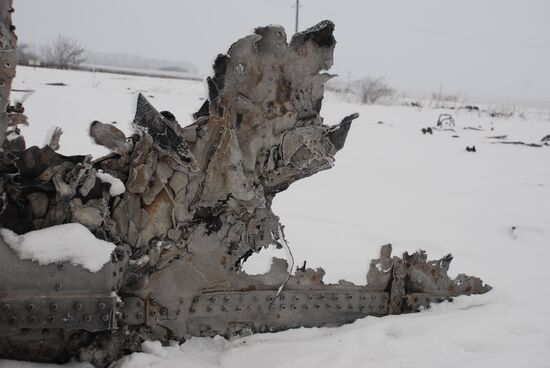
{"x":370,"y":89}
{"x":63,"y":52}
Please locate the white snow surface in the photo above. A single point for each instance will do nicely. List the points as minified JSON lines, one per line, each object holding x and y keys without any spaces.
{"x":117,"y":186}
{"x":72,"y":243}
{"x":390,"y":184}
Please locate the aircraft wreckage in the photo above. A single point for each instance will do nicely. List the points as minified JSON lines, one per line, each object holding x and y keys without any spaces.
{"x":196,"y":204}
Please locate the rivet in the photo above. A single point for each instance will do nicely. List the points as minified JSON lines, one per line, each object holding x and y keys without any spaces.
{"x":13,"y":320}
{"x":61,"y":266}
{"x":282,"y":306}
{"x":305,"y":306}
{"x":270,"y":299}
{"x":139,"y":315}
{"x":153,"y":302}
{"x":282,"y":296}
{"x":363,"y":297}
{"x":51,"y":319}
{"x":371,"y":306}
{"x":87,"y":318}
{"x":350,"y":307}
{"x":227,"y":298}
{"x":243,"y":299}
{"x":58,"y":286}
{"x":209,"y":309}
{"x":196,"y":299}
{"x":33,"y":319}
{"x":297,"y":298}
{"x":139,"y":303}
{"x":250,"y":308}
{"x":192,"y":310}
{"x":153,"y":312}
{"x":327,"y":306}
{"x":101,"y":305}
{"x":6,"y":307}
{"x":361,"y":307}
{"x":338,"y":306}
{"x":164,"y":311}
{"x":30,"y":307}
{"x":310,"y":297}
{"x":321,"y":297}
{"x":114,"y":273}
{"x":54,"y":307}
{"x":77,"y":306}
{"x":381,"y":306}
{"x":213,"y":299}
{"x":292,"y":306}
{"x":238,"y":308}
{"x":105,"y":317}
{"x":224,"y":308}
{"x":334,"y":297}
{"x":373,"y":297}
{"x":317,"y":306}
{"x":349,"y":296}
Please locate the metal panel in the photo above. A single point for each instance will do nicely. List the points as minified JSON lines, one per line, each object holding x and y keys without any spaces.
{"x":260,"y":311}
{"x":71,"y":312}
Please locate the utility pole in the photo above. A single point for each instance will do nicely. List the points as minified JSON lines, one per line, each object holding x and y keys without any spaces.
{"x":297,"y":14}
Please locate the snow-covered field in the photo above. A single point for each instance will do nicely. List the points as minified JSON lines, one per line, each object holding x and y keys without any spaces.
{"x":391,"y":184}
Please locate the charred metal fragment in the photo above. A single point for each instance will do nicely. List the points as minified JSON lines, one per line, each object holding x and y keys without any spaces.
{"x":196,"y":205}
{"x":166,"y":134}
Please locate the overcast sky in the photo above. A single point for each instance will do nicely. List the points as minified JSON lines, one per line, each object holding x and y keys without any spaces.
{"x":489,"y":48}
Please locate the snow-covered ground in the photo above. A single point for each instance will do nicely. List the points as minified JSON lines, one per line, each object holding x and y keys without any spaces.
{"x":391,"y":184}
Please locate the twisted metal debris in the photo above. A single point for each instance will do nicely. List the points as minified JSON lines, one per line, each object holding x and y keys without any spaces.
{"x":197,"y":204}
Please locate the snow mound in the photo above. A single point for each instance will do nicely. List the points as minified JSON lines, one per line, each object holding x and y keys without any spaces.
{"x":117,"y":187}
{"x":72,"y":243}
{"x":154,"y":348}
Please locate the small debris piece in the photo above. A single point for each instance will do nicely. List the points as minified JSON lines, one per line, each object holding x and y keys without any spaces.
{"x":471,"y":149}
{"x":445,"y":120}
{"x":519,"y":143}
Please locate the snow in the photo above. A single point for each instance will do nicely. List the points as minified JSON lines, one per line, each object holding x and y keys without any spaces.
{"x":154,"y":348}
{"x":117,"y":186}
{"x":72,"y":243}
{"x":390,"y":184}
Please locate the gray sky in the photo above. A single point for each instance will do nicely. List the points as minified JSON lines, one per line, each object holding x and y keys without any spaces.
{"x":489,"y":48}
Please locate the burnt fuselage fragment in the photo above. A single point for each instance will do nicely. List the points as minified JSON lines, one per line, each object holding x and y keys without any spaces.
{"x":197,"y":204}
